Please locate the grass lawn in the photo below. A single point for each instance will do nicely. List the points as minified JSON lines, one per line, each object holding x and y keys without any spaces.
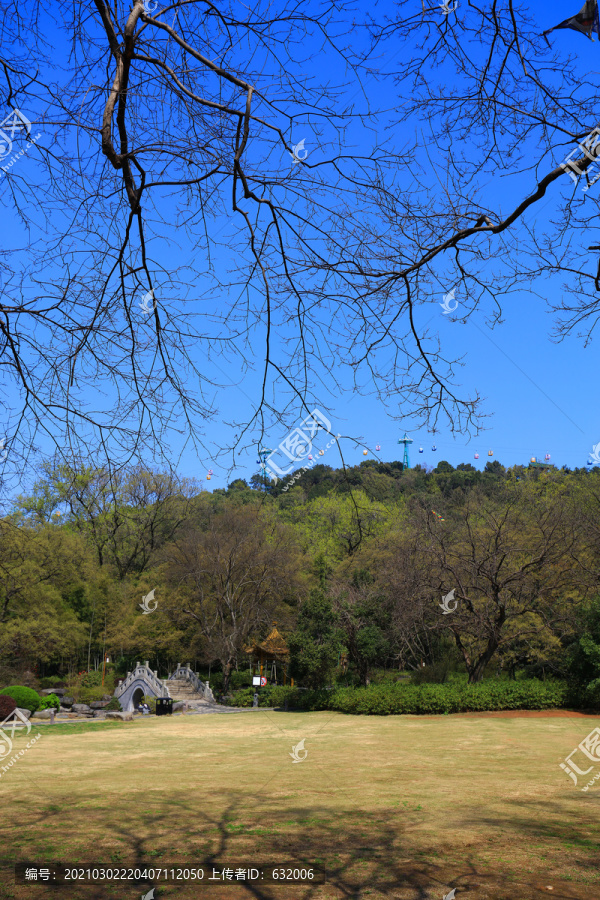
{"x":394,"y":807}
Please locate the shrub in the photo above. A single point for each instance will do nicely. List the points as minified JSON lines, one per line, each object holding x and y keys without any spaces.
{"x":24,"y":697}
{"x":449,"y":698}
{"x":149,"y":699}
{"x":424,"y":699}
{"x":87,"y":695}
{"x":52,"y":681}
{"x":114,"y":705}
{"x":50,"y":701}
{"x":90,"y":679}
{"x":7,"y":706}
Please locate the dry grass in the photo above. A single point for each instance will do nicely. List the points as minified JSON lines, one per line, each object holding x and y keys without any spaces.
{"x":401,"y":807}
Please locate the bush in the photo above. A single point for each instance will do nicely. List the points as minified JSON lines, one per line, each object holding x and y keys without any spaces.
{"x":52,"y":681}
{"x":87,"y":686}
{"x":114,"y":705}
{"x":90,"y":679}
{"x":424,"y":699}
{"x":90,"y":694}
{"x":24,"y":697}
{"x":276,"y":695}
{"x":149,"y":699}
{"x":237,"y":681}
{"x":7,"y":706}
{"x":50,"y":701}
{"x":431,"y":699}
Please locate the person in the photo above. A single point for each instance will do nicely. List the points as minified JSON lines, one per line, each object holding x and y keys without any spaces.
{"x":145,"y":709}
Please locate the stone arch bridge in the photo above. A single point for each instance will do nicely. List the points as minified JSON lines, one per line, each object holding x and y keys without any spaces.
{"x":182,"y":684}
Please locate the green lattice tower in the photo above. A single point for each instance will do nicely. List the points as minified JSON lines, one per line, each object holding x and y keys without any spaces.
{"x":406,"y":441}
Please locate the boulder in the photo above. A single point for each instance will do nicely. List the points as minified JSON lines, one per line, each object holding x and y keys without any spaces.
{"x":81,"y":708}
{"x":99,"y":714}
{"x":60,"y":692}
{"x":42,"y":714}
{"x":122,"y":716}
{"x":179,"y":704}
{"x":25,"y":712}
{"x":99,"y":704}
{"x":67,"y":701}
{"x":107,"y":697}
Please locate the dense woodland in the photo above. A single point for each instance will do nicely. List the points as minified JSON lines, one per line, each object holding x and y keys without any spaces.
{"x":351,"y":563}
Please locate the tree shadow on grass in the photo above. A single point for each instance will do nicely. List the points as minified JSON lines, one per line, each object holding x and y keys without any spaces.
{"x":352,"y":855}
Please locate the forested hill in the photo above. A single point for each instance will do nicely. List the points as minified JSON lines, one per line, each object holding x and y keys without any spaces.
{"x":350,"y":561}
{"x":386,"y":481}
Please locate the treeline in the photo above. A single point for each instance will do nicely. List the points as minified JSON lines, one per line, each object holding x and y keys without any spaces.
{"x":352,"y":564}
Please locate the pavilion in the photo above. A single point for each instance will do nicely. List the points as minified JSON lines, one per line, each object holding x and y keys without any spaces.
{"x":265,"y":656}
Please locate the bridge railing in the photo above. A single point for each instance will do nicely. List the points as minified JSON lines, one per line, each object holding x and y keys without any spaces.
{"x":186,"y":673}
{"x":145,"y":673}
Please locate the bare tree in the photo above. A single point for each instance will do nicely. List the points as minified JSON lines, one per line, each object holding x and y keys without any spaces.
{"x":232,"y":577}
{"x":498,"y":130}
{"x":204,"y":201}
{"x":509,"y":566}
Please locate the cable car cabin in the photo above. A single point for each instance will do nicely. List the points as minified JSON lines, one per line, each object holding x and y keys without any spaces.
{"x":535,"y":463}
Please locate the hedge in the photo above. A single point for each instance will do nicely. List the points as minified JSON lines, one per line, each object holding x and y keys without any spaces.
{"x":425,"y":699}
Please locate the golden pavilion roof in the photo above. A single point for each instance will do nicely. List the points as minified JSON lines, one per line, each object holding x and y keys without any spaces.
{"x":273,"y":646}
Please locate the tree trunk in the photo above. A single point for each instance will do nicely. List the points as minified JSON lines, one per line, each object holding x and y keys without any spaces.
{"x":476,"y":671}
{"x":227,"y":674}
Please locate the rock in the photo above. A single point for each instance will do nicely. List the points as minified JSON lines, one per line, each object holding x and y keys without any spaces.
{"x":41,"y":714}
{"x":107,"y":697}
{"x":99,"y":714}
{"x":179,"y":704}
{"x":60,"y":692}
{"x":81,"y":708}
{"x":99,"y":704}
{"x":25,"y":712}
{"x":67,"y":701}
{"x":122,"y":716}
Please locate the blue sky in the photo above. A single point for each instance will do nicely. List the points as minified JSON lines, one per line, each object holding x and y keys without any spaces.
{"x":540,"y":397}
